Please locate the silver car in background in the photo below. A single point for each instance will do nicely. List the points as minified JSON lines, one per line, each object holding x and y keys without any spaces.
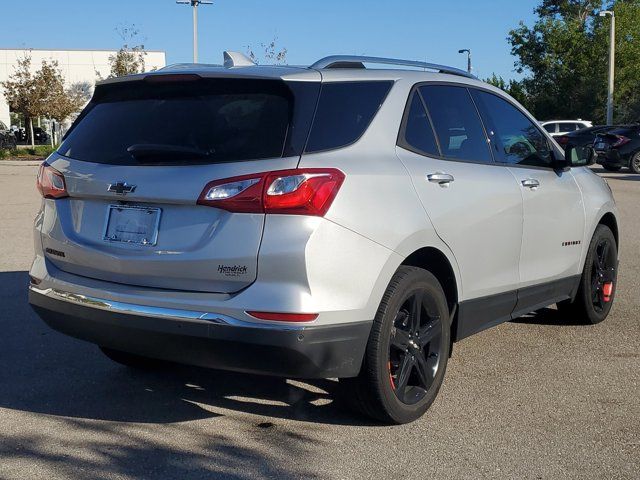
{"x":327,"y":221}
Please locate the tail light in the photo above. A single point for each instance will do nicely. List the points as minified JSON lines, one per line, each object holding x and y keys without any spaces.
{"x":51,"y":182}
{"x":562,"y":140}
{"x":308,"y":191}
{"x":620,"y":140}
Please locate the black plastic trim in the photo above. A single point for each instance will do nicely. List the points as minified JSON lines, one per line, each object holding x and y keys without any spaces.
{"x":481,"y":313}
{"x":332,"y":351}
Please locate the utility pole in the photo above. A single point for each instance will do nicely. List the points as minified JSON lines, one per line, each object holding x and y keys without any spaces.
{"x":612,"y":64}
{"x":468,"y":52}
{"x":195,"y":4}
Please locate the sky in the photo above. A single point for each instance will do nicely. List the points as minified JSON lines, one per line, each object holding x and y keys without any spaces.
{"x":411,"y":29}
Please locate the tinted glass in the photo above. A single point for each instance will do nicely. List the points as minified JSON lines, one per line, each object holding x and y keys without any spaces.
{"x":208,"y":120}
{"x":550,"y":127}
{"x":344,"y":112}
{"x":418,"y":134}
{"x":567,"y":127}
{"x":515,"y":138}
{"x":456,"y":122}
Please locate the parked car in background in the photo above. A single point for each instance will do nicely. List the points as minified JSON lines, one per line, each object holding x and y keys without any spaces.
{"x":562,"y":127}
{"x":584,"y":137}
{"x":40,"y":136}
{"x":333,"y":221}
{"x":619,"y":148}
{"x":7,"y":139}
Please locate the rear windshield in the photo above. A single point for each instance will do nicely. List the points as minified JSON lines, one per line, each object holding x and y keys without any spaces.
{"x":206,"y":120}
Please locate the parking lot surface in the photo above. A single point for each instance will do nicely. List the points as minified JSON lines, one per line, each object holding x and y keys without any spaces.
{"x":532,"y":398}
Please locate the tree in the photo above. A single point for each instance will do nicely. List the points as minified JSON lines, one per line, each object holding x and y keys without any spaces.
{"x":129,"y":59}
{"x":22,"y":93}
{"x":40,"y":94}
{"x":513,"y":88}
{"x":268,"y":53}
{"x":564,"y":56}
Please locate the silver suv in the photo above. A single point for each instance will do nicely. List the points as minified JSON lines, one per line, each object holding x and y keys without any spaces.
{"x":331,"y":221}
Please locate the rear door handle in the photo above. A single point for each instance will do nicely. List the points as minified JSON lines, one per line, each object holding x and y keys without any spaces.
{"x":440,"y":178}
{"x":530,"y":183}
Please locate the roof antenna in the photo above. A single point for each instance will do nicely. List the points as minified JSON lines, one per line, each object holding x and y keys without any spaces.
{"x":236,"y":59}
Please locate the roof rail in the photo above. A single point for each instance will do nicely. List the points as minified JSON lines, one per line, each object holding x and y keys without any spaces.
{"x":356,"y":61}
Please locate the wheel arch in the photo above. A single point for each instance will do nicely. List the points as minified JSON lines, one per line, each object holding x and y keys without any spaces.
{"x":609,"y":220}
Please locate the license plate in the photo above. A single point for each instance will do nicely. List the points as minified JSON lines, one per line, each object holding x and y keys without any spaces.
{"x":132,"y":224}
{"x":600,"y":146}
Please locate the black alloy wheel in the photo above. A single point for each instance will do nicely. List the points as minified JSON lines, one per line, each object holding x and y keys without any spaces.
{"x":415,"y":348}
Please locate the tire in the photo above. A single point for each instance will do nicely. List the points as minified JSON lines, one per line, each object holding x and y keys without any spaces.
{"x":591,"y":304}
{"x":131,"y":360}
{"x":396,"y":355}
{"x":611,"y":168}
{"x":634,"y":163}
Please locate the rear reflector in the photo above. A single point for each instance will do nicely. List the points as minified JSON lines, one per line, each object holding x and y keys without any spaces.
{"x":285,"y":317}
{"x":308,"y":191}
{"x":51,"y":182}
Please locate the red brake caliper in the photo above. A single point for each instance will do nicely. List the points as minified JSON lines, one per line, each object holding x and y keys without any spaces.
{"x":393,"y":385}
{"x":607,"y":290}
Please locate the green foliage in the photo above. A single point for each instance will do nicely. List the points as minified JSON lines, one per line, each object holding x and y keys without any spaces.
{"x":564,"y":58}
{"x":513,"y":88}
{"x":30,"y":153}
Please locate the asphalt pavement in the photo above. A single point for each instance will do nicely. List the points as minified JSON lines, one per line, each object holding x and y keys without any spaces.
{"x":532,"y":398}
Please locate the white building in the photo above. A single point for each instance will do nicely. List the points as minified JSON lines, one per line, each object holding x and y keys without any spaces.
{"x":75,"y":65}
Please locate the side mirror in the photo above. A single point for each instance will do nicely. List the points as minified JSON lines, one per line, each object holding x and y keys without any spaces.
{"x":558,"y":161}
{"x":580,"y":156}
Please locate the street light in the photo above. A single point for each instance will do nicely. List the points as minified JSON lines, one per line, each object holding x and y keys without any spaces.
{"x":468,"y":52}
{"x":612,"y":64}
{"x":195,"y":4}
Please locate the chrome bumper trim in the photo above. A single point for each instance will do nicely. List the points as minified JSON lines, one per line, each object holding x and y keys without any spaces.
{"x":157,"y":312}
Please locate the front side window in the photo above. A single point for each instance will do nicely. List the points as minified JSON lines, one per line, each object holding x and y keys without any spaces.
{"x":568,"y":127}
{"x":550,"y":127}
{"x":456,"y":123}
{"x":516,"y":139}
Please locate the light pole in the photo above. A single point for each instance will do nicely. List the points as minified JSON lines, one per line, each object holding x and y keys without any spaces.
{"x":612,"y":64}
{"x":195,"y":4}
{"x":468,"y":52}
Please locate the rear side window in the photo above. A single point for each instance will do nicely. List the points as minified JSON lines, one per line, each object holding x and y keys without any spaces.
{"x":515,"y":138}
{"x":344,"y":112}
{"x":418,"y":133}
{"x":207,"y":120}
{"x":568,"y":127}
{"x":456,"y":123}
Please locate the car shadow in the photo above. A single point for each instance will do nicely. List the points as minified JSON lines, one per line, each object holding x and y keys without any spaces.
{"x":546,"y":316}
{"x":620,"y":175}
{"x":42,"y":371}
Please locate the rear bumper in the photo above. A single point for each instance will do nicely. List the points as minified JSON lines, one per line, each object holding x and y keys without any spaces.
{"x":207,"y":339}
{"x":612,"y":158}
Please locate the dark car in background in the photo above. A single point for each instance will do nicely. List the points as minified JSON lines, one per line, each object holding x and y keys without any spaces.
{"x":40,"y":136}
{"x":584,"y":137}
{"x":7,"y":139}
{"x":619,"y":148}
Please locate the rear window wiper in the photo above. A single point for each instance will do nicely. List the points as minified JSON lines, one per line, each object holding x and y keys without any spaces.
{"x":150,"y":151}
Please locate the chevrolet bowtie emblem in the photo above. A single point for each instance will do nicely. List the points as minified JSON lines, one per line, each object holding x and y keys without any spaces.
{"x":121,"y":188}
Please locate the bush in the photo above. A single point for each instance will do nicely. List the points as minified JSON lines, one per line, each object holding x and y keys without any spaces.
{"x":38,"y":152}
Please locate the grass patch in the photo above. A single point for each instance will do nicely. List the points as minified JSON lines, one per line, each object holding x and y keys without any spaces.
{"x":38,"y":152}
